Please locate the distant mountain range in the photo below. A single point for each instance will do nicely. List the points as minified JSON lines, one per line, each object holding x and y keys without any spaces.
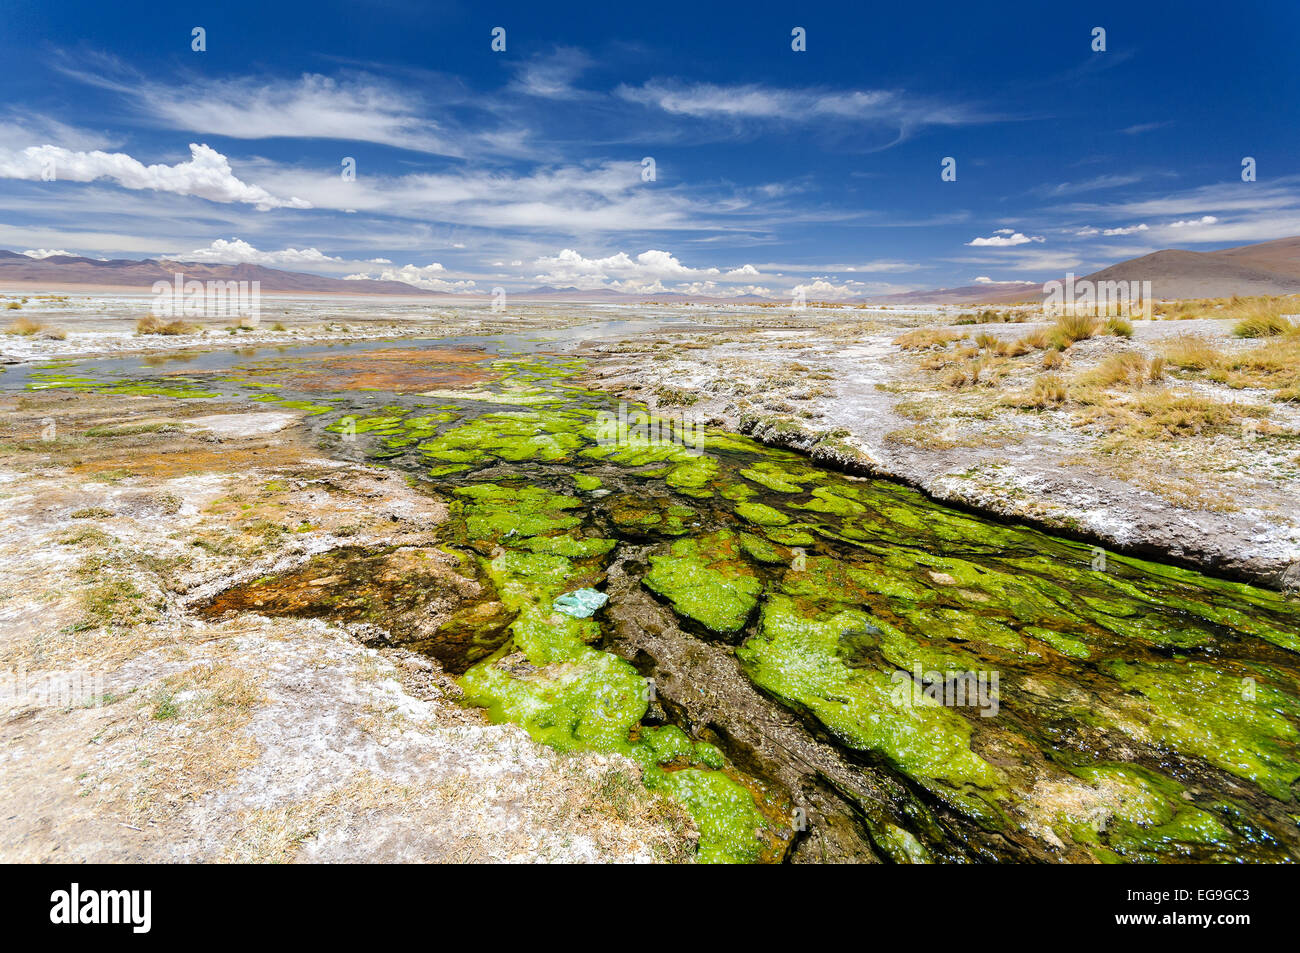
{"x":1266,"y":268}
{"x":60,"y":270}
{"x":1270,"y":268}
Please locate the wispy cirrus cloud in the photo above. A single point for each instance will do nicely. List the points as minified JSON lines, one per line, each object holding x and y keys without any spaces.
{"x":356,"y":107}
{"x":895,"y":109}
{"x":552,"y":76}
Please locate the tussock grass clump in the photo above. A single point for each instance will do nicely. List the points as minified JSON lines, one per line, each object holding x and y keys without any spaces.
{"x":924,"y":338}
{"x":1240,"y":307}
{"x":1128,"y":369}
{"x":1262,"y":325}
{"x":977,"y":370}
{"x":13,"y":306}
{"x":1165,"y":415}
{"x":1192,"y":352}
{"x":24,"y":327}
{"x":992,"y":316}
{"x":1035,"y":340}
{"x":1274,"y":366}
{"x":1071,"y":328}
{"x":1001,"y":347}
{"x":1052,"y":360}
{"x":150,"y":324}
{"x":1120,"y":327}
{"x":1049,"y":390}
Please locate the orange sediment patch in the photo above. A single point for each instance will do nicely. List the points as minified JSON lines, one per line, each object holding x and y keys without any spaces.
{"x":400,"y":370}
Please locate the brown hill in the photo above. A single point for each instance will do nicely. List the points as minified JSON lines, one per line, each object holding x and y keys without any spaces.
{"x":1272,"y":268}
{"x":1264,"y":268}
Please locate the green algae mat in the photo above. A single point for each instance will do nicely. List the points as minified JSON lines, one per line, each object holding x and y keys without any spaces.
{"x":941,"y":686}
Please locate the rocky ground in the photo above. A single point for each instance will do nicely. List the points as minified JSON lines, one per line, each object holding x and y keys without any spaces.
{"x":134,"y":728}
{"x":1213,"y":484}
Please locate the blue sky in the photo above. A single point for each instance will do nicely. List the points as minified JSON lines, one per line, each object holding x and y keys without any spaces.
{"x":773,"y":168}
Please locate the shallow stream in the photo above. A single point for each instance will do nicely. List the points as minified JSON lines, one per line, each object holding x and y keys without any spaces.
{"x":818,"y":666}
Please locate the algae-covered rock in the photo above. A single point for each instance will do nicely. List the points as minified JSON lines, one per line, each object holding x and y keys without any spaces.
{"x":573,"y":697}
{"x":796,"y":657}
{"x":724,"y":812}
{"x":1242,"y":725}
{"x":506,"y":436}
{"x":761,"y":514}
{"x":1123,"y":812}
{"x":493,"y":511}
{"x":708,"y":580}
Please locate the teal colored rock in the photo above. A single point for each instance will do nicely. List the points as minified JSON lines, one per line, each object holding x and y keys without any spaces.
{"x":581,"y":603}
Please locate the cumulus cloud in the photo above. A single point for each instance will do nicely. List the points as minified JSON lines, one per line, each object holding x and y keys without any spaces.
{"x":45,"y":252}
{"x":238,"y":251}
{"x":1188,"y":222}
{"x":426,"y":276}
{"x":823,"y":290}
{"x":206,"y":175}
{"x":644,"y":273}
{"x":1004,"y":238}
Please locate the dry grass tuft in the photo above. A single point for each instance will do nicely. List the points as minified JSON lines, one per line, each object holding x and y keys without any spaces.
{"x":1262,"y":325}
{"x":925,"y":338}
{"x":1128,"y":370}
{"x":150,"y":324}
{"x":1049,"y":390}
{"x":24,"y":327}
{"x":1071,"y":328}
{"x":1191,"y":352}
{"x":1120,"y":327}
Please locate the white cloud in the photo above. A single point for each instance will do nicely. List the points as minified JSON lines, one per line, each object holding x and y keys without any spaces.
{"x":236,"y":251}
{"x":621,"y":270}
{"x":45,"y":252}
{"x":1004,"y":238}
{"x":552,"y":76}
{"x":754,"y":102}
{"x":427,"y":277}
{"x":1089,"y":230}
{"x":206,"y":175}
{"x":358,"y":108}
{"x":1203,"y":220}
{"x":568,"y":199}
{"x":35,"y":130}
{"x":823,"y":290}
